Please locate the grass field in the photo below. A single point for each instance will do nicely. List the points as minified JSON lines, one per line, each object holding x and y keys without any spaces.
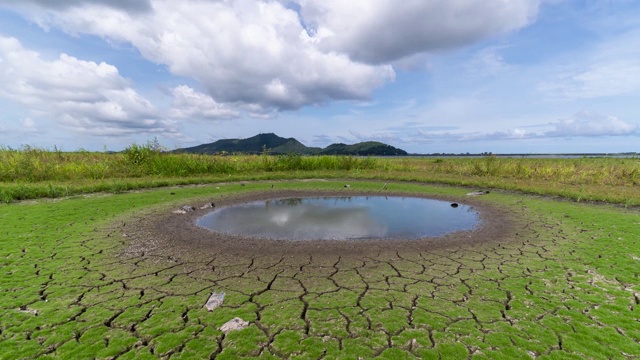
{"x":31,"y":173}
{"x":567,"y":286}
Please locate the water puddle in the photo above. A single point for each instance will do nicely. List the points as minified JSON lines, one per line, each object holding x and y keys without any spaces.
{"x":342,"y":218}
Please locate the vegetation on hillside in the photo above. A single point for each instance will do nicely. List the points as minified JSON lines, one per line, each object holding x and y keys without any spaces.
{"x":272,"y":143}
{"x":276,"y":145}
{"x":373,"y":148}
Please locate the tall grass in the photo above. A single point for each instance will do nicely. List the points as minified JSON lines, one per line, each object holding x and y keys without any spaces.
{"x":36,"y":165}
{"x":32,"y":173}
{"x":581,"y":171}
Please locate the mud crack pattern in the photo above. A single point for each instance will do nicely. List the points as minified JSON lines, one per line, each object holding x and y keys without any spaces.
{"x":545,"y":292}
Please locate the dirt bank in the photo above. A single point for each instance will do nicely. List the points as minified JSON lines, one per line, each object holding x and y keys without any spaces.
{"x":165,"y":232}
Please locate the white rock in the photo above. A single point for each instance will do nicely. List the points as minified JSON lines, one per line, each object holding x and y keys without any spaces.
{"x":214,"y":301}
{"x":208,"y":205}
{"x":233,"y":324}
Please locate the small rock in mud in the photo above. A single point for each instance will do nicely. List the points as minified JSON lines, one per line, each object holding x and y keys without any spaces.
{"x":184,"y":209}
{"x":209,"y":205}
{"x":214,"y":301}
{"x":233,"y":324}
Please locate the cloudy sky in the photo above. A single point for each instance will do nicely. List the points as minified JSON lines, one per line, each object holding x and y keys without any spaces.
{"x":505,"y":76}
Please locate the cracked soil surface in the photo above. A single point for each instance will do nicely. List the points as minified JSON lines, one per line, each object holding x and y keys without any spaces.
{"x":523,"y":285}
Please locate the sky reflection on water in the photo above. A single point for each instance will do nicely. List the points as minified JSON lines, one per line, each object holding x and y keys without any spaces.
{"x":341,"y":218}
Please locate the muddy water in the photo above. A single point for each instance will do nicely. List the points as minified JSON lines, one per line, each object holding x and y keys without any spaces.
{"x":342,"y":218}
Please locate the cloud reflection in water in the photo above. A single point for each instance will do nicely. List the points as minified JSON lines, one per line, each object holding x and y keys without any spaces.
{"x":341,"y":218}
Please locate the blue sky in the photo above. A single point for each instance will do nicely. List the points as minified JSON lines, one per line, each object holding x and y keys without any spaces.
{"x":522,"y":76}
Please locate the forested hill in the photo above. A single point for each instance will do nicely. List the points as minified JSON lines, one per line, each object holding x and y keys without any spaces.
{"x":277,"y":145}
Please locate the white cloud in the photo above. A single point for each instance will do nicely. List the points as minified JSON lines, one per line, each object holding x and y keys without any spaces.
{"x":244,"y":52}
{"x":487,"y":61}
{"x":582,"y":124}
{"x":28,"y":125}
{"x":266,"y":54}
{"x":90,"y":98}
{"x":191,"y":104}
{"x":610,"y":69}
{"x":590,"y":124}
{"x":379,"y":31}
{"x":598,"y":79}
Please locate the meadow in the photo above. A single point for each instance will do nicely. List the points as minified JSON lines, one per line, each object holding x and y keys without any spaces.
{"x":30,"y":173}
{"x":563,"y":284}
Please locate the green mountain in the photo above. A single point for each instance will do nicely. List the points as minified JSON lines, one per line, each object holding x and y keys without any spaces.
{"x":277,"y":145}
{"x":363,"y":148}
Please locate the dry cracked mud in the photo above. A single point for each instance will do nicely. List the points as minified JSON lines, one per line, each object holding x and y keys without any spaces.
{"x":504,"y":288}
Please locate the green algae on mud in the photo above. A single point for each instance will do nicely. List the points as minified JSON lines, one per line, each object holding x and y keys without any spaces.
{"x":565,"y":287}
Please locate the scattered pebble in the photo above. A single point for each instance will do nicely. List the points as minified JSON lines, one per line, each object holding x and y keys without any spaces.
{"x":233,"y":324}
{"x":209,"y":205}
{"x":214,"y":301}
{"x":187,"y":208}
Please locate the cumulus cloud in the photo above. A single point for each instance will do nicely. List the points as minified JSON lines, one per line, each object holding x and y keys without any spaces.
{"x":89,"y":97}
{"x":244,"y":52}
{"x":191,"y":104}
{"x":379,"y":31}
{"x":282,"y":55}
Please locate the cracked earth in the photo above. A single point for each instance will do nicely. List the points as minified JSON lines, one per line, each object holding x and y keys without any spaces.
{"x":513,"y":293}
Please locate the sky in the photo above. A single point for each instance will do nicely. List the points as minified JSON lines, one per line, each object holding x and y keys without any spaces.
{"x":427,"y":76}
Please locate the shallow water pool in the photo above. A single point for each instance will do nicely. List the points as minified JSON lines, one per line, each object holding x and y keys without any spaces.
{"x":342,"y":218}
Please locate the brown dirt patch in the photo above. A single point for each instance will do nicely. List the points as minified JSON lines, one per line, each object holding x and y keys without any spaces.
{"x":165,"y":233}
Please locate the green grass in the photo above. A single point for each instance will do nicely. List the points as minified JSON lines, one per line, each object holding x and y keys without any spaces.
{"x":31,"y":173}
{"x":567,"y":287}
